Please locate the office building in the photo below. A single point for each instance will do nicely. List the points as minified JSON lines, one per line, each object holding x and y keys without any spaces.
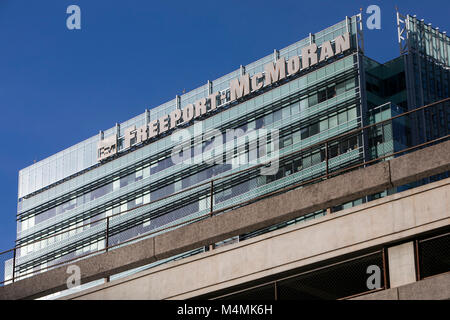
{"x":143,"y":177}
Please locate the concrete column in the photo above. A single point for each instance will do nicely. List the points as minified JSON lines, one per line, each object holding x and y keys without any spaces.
{"x":402,"y":268}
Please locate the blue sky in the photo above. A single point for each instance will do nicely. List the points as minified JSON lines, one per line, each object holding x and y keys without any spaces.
{"x":59,"y":86}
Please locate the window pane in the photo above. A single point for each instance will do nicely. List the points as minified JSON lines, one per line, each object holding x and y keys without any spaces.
{"x":277,"y":116}
{"x":331,"y":92}
{"x":295,"y":108}
{"x":286,"y":112}
{"x":304,"y":133}
{"x":314,"y":129}
{"x":323,"y":125}
{"x":322,"y":96}
{"x":342,"y":117}
{"x":312,"y":100}
{"x":333,"y":121}
{"x":352,"y":114}
{"x":350,"y":84}
{"x":307,"y":161}
{"x":340,"y":88}
{"x":303,"y":105}
{"x":315,"y":158}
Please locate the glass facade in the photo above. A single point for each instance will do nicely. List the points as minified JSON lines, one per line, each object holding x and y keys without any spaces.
{"x":78,"y":191}
{"x":302,"y":121}
{"x":427,"y":68}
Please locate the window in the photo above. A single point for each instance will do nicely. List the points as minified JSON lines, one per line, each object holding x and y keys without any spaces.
{"x":304,"y":133}
{"x":295,"y":108}
{"x":297,"y":165}
{"x":260,"y":123}
{"x":280,"y":173}
{"x":331,"y":92}
{"x":334,"y":150}
{"x":333,"y":121}
{"x":277,"y":116}
{"x":314,"y":129}
{"x":340,"y":88}
{"x":296,"y":137}
{"x":352,"y":114}
{"x":344,"y":146}
{"x":376,"y":136}
{"x":303,"y":105}
{"x":243,"y":128}
{"x":312,"y":100}
{"x":286,"y":142}
{"x":286,"y":112}
{"x":307,"y":161}
{"x":315,"y":158}
{"x":350,"y":84}
{"x":99,"y":192}
{"x":387,"y":132}
{"x":342,"y":117}
{"x":288,"y":169}
{"x":353,"y":142}
{"x":322,"y":96}
{"x":268,"y":119}
{"x":323,"y":125}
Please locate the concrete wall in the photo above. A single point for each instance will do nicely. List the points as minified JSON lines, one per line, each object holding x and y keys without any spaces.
{"x":385,"y":220}
{"x":433,"y":288}
{"x":264,"y":213}
{"x":402,"y":268}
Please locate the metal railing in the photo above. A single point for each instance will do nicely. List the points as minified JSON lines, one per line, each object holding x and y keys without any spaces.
{"x":114,"y":226}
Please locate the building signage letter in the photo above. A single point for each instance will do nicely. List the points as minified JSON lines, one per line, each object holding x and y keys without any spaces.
{"x":240,"y":87}
{"x":274,"y":73}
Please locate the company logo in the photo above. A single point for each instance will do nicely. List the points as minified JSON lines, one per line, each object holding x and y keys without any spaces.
{"x":107,"y":147}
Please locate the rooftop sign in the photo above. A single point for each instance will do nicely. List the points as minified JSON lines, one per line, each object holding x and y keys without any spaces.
{"x":239,"y":88}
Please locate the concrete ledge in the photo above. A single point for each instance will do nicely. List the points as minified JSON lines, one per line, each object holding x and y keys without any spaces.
{"x":420,"y":164}
{"x":270,"y":211}
{"x":433,"y":288}
{"x":264,"y":213}
{"x":91,"y":268}
{"x":388,"y":294}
